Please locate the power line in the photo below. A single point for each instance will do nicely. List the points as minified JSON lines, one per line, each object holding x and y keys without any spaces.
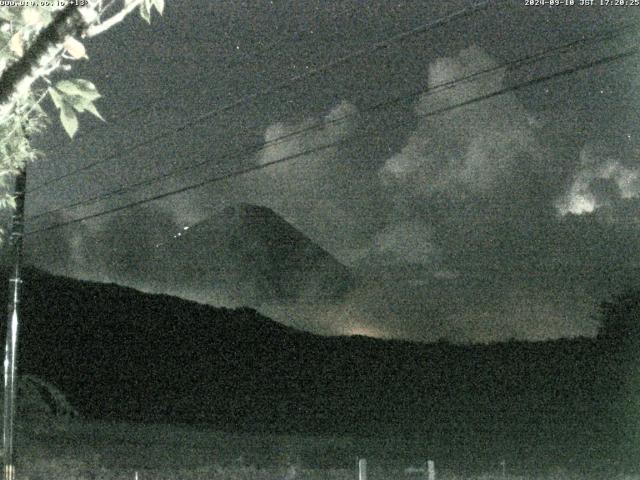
{"x":279,"y":86}
{"x":298,"y":155}
{"x":323,"y":124}
{"x":236,"y":59}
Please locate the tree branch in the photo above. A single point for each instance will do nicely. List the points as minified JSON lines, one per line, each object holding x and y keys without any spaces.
{"x":68,"y":21}
{"x":94,"y":30}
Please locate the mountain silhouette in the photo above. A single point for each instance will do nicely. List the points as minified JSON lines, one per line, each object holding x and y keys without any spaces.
{"x":251,"y":255}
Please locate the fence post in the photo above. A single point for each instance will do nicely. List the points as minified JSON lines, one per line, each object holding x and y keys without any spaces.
{"x":431,"y":470}
{"x":362,"y":469}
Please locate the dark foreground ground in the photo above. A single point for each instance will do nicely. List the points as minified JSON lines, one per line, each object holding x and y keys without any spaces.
{"x":570,"y":406}
{"x":82,"y":450}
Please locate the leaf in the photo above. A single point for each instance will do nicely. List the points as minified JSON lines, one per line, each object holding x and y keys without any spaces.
{"x":145,"y":10}
{"x":16,"y":45}
{"x":91,"y":108}
{"x":40,"y":111}
{"x":8,"y":13}
{"x":78,"y":95}
{"x":32,"y":17}
{"x":84,"y":105}
{"x":7,"y":201}
{"x":159,"y":4}
{"x":69,"y":119}
{"x":56,"y":97}
{"x":79,"y":87}
{"x":76,"y":102}
{"x":75,"y":48}
{"x":89,"y":90}
{"x":91,"y":16}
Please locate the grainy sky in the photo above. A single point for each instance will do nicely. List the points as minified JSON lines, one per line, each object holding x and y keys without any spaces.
{"x":509,"y":217}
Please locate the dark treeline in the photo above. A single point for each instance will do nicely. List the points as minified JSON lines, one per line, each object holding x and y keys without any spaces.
{"x":121,"y":354}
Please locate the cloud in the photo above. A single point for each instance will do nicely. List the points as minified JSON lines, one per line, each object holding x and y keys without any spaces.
{"x":118,"y":248}
{"x":479,"y":176}
{"x":600,"y":180}
{"x":469,"y":150}
{"x":473,"y":201}
{"x":406,"y":241}
{"x":471,"y":246}
{"x":325,"y":192}
{"x":285,"y":140}
{"x":60,"y":250}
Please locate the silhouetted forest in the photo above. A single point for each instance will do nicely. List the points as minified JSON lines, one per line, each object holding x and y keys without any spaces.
{"x":121,"y":354}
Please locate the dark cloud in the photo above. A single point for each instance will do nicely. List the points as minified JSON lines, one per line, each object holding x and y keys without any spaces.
{"x":124,"y":246}
{"x":60,"y":251}
{"x":121,"y":248}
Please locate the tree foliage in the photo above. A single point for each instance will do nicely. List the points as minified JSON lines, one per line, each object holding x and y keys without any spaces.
{"x":37,"y":43}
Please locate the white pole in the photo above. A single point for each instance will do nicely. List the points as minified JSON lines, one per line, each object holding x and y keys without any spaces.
{"x":431,"y":470}
{"x":362,"y":469}
{"x":11,"y":339}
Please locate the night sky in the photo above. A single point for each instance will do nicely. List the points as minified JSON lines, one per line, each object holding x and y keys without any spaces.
{"x":506,"y":218}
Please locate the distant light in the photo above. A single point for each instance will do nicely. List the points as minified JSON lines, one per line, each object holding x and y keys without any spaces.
{"x":186,"y":228}
{"x":580,"y":204}
{"x":363,"y":331}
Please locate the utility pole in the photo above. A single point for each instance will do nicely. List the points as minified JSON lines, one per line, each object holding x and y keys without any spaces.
{"x":11,"y":341}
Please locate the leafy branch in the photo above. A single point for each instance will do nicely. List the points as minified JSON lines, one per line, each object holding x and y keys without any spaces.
{"x":71,"y":96}
{"x":36,"y":42}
